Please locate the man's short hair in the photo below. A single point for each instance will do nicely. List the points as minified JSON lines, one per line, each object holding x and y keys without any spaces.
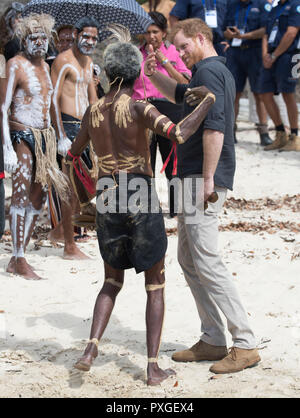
{"x":86,"y":22}
{"x":191,"y":27}
{"x":62,"y":27}
{"x":123,"y":60}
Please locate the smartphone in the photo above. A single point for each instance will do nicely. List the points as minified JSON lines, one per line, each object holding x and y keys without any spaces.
{"x":231,"y":28}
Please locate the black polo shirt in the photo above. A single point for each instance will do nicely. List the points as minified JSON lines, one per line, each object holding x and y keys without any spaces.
{"x":212,"y":73}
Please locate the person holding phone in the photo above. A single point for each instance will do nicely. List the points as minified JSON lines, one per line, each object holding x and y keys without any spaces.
{"x":244,"y":29}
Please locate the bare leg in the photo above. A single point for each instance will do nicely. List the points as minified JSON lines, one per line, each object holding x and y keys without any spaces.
{"x":237,"y":104}
{"x":21,"y":187}
{"x":71,"y":251}
{"x":260,"y":109}
{"x":154,"y":281}
{"x":272,"y":108}
{"x":292,"y":110}
{"x":103,"y":308}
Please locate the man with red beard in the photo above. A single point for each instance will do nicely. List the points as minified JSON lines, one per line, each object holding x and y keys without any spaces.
{"x":74,"y":90}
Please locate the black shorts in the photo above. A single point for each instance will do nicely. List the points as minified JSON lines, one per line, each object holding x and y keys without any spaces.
{"x":132,"y":240}
{"x":28,"y":137}
{"x":72,"y":127}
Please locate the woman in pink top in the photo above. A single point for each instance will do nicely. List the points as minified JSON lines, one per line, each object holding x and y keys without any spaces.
{"x":170,"y":64}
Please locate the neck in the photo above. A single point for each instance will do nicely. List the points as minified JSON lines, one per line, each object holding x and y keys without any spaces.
{"x":209,"y":51}
{"x":34,"y":60}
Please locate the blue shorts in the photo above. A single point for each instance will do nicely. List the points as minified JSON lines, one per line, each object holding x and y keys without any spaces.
{"x":279,"y":79}
{"x":243,"y":64}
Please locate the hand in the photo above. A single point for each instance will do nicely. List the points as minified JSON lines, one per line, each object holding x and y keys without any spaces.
{"x":10,"y":159}
{"x":159,"y":56}
{"x":195,"y":95}
{"x":267,"y":61}
{"x":226,"y":45}
{"x":150,"y":63}
{"x":209,"y":192}
{"x":232,"y":33}
{"x":64,"y":145}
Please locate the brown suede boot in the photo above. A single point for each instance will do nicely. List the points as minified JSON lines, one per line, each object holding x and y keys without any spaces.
{"x":238,"y":359}
{"x":280,"y":141}
{"x":293,"y":144}
{"x":201,"y":351}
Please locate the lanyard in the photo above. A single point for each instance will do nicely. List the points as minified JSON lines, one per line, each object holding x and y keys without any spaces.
{"x":238,"y":12}
{"x":215,"y":4}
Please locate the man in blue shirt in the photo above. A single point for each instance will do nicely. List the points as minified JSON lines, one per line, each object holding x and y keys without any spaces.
{"x":244,"y":28}
{"x":280,"y":49}
{"x":211,"y":11}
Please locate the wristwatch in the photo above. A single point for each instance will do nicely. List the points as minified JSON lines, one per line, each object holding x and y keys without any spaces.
{"x":273,"y":56}
{"x":165,"y":61}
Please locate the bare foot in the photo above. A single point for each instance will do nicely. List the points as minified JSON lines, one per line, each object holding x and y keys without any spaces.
{"x":74,"y":253}
{"x":11,"y":268}
{"x":57,"y":234}
{"x":157,"y":375}
{"x":22,"y":268}
{"x":85,"y":362}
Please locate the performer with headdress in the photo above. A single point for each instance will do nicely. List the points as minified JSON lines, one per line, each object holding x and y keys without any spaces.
{"x":29,"y":141}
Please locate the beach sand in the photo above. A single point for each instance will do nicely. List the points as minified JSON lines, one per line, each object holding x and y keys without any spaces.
{"x":44,"y":324}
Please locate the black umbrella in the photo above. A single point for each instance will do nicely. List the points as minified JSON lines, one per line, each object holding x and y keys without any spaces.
{"x":126,"y":12}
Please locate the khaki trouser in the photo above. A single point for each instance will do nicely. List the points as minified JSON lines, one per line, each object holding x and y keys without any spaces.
{"x":211,"y":284}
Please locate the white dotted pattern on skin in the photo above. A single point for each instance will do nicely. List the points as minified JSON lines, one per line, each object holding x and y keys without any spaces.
{"x":30,"y":213}
{"x":31,"y":114}
{"x":15,"y":212}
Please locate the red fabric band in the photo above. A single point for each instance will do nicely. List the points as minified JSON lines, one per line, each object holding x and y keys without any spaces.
{"x":82,"y":174}
{"x":169,"y":130}
{"x":174,"y":149}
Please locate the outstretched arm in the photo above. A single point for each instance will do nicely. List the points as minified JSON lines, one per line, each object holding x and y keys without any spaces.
{"x":180,"y":132}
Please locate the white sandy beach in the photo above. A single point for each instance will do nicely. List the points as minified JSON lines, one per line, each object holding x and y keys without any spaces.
{"x":44,"y":325}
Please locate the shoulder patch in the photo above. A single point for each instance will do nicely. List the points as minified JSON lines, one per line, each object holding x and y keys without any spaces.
{"x":268,"y":7}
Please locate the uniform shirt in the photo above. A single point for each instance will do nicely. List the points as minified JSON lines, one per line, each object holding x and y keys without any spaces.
{"x":212,"y":73}
{"x":250,"y":16}
{"x":288,"y":14}
{"x":186,"y":9}
{"x":172,"y":54}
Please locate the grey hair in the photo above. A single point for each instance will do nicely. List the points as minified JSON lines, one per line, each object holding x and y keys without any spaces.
{"x":28,"y":24}
{"x":122,"y":60}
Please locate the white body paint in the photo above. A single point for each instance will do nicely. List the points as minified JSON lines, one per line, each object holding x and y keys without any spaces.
{"x":10,"y":157}
{"x":32,"y":113}
{"x":81,"y":102}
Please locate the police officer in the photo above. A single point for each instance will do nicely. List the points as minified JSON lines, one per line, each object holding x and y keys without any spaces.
{"x":280,"y":49}
{"x":244,"y":28}
{"x":211,"y":11}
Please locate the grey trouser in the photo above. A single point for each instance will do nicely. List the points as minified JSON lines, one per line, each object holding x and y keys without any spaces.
{"x":211,"y":284}
{"x":2,"y":208}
